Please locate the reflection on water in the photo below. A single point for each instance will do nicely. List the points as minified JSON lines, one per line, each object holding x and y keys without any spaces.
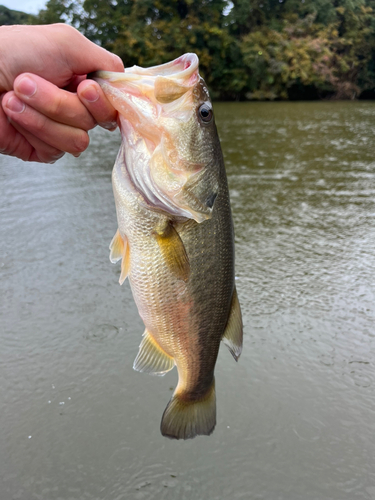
{"x":296,"y":416}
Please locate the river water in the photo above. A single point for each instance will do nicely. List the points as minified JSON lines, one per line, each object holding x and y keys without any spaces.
{"x":295,"y":416}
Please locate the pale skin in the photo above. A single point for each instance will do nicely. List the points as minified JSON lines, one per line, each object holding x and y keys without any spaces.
{"x":47,"y":106}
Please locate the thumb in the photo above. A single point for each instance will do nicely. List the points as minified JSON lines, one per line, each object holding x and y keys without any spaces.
{"x":81,"y":55}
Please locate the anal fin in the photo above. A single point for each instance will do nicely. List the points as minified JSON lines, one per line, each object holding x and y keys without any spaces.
{"x":151,"y":358}
{"x":233,"y":333}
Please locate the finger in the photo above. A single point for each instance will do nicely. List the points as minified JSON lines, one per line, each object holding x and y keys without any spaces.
{"x":57,"y":104}
{"x":84,"y":56}
{"x":40,"y":151}
{"x":73,"y":84}
{"x":60,"y":136}
{"x":12,"y":143}
{"x":97,"y":104}
{"x":56,"y":52}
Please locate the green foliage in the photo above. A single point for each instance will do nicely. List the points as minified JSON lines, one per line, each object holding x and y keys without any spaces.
{"x":10,"y":17}
{"x":102,"y":20}
{"x":308,"y":55}
{"x":248,"y":49}
{"x":172,"y":28}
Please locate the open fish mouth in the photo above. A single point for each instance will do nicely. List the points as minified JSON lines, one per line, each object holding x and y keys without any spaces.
{"x":184,"y":69}
{"x":161,"y":132}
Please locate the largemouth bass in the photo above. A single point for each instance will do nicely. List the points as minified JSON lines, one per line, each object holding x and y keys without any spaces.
{"x":175,"y":233}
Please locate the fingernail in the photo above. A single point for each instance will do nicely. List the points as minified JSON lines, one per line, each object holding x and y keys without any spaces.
{"x":109,"y":125}
{"x":91,"y":94}
{"x":14,"y":104}
{"x":56,"y":157}
{"x":26,"y":86}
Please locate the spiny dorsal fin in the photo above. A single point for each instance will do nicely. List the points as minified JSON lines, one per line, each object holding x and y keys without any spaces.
{"x":173,"y":251}
{"x":151,"y":358}
{"x":119,"y":249}
{"x":167,"y":90}
{"x":233,"y":333}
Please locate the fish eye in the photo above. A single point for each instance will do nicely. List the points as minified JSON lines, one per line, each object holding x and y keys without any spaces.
{"x":205,"y":113}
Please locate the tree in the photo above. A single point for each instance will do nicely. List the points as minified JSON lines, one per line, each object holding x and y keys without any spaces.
{"x":9,"y":17}
{"x":257,"y":49}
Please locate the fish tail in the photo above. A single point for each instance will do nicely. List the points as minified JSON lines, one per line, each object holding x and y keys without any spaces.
{"x":185,"y":419}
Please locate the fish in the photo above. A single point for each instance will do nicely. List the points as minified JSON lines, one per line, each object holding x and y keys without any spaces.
{"x":175,"y":236}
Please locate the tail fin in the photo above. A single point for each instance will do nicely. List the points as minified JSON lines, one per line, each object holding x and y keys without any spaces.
{"x":186,"y":419}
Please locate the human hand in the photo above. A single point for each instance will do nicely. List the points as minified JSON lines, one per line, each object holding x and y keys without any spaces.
{"x":39,"y":120}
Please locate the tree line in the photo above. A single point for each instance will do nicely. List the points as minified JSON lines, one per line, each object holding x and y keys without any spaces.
{"x":248,"y":49}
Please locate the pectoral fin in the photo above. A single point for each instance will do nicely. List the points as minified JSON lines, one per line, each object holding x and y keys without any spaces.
{"x":116,"y":248}
{"x":119,"y":249}
{"x":233,"y":333}
{"x":173,"y":251}
{"x":151,"y":358}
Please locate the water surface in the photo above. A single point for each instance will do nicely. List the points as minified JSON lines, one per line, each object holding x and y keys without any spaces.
{"x":296,"y":415}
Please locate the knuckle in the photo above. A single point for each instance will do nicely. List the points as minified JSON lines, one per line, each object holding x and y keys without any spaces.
{"x":88,"y":121}
{"x":45,"y":153}
{"x":40,"y":123}
{"x":18,"y":148}
{"x":57,"y":105}
{"x":65,"y":29}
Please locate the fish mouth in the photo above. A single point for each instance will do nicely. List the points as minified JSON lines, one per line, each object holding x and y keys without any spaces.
{"x":183,"y":69}
{"x":145,"y":99}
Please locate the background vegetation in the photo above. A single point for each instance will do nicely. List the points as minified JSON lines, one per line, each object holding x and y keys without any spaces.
{"x":8,"y":17}
{"x":248,"y":49}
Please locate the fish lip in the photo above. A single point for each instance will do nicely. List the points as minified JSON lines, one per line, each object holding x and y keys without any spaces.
{"x":185,"y":66}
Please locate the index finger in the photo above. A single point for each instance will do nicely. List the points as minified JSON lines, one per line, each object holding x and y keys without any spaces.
{"x":82,"y":55}
{"x":55,"y":103}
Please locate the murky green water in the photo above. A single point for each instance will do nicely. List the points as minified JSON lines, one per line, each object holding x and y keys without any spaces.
{"x":296,"y":415}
